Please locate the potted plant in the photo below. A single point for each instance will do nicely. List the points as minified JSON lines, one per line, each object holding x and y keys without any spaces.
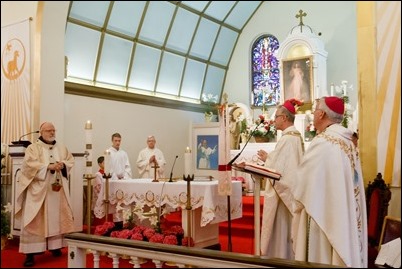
{"x":210,"y":101}
{"x":5,"y":225}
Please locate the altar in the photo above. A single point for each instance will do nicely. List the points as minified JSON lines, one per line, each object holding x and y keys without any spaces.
{"x":208,"y":208}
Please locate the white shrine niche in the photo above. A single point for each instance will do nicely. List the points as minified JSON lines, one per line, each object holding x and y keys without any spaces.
{"x":303,"y":45}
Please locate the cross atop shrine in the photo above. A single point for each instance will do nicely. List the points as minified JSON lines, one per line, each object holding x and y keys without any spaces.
{"x":300,"y":16}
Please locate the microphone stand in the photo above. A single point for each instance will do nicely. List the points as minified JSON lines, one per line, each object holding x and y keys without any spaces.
{"x":171,"y":172}
{"x":241,"y":151}
{"x":24,"y":143}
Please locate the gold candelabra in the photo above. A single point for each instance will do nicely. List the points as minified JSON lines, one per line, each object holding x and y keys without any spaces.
{"x":89,"y":178}
{"x":106,"y":200}
{"x":188,"y":206}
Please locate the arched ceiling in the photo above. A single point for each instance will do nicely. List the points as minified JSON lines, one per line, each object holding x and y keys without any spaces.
{"x":177,"y":50}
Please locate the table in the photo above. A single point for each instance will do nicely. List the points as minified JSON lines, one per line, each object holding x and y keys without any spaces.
{"x":208,"y":207}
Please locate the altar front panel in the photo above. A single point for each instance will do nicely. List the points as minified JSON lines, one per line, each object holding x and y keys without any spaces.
{"x":204,"y":195}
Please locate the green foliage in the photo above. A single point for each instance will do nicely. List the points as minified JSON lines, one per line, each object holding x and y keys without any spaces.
{"x":243,"y":126}
{"x":5,"y":223}
{"x":346,"y":114}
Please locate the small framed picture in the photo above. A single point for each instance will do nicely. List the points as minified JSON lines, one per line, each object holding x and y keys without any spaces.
{"x":205,"y":148}
{"x":298,"y":79}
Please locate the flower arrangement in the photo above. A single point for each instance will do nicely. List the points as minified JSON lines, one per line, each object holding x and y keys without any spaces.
{"x":210,"y":101}
{"x":265,"y":129}
{"x":173,"y":235}
{"x":310,"y":132}
{"x":261,"y":128}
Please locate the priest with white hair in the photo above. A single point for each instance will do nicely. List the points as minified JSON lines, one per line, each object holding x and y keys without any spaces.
{"x":150,"y":157}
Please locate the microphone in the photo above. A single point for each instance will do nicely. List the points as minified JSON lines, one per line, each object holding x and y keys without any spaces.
{"x":36,"y":132}
{"x":24,"y":143}
{"x":171,"y":172}
{"x":251,"y":135}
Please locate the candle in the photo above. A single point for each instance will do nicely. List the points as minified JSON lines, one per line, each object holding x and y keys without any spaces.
{"x":332,"y":89}
{"x":187,"y":162}
{"x":88,"y":125}
{"x":107,"y":162}
{"x":88,"y":133}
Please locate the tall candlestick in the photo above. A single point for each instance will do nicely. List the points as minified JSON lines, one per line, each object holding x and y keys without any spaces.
{"x":107,"y":162}
{"x":88,"y":146}
{"x":187,"y":162}
{"x":332,"y":89}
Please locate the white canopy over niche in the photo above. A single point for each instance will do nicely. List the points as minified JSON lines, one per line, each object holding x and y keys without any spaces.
{"x":304,"y":45}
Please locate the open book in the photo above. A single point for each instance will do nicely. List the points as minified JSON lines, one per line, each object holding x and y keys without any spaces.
{"x":258,"y":169}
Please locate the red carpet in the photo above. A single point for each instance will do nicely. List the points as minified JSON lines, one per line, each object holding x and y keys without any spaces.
{"x":242,"y":242}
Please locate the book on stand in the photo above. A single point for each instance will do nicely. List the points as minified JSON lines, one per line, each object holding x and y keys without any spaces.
{"x":259,"y":170}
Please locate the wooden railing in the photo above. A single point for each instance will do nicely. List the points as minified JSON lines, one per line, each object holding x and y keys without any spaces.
{"x":80,"y":243}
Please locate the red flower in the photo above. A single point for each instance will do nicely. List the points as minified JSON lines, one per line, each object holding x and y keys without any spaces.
{"x":170,"y":240}
{"x":105,"y":228}
{"x":115,"y":234}
{"x":139,"y":229}
{"x":177,"y":230}
{"x":156,"y":238}
{"x":100,"y":230}
{"x":148,"y":233}
{"x":125,"y":234}
{"x":137,"y":236}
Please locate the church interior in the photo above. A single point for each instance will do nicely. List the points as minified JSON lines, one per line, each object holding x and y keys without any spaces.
{"x":166,"y":68}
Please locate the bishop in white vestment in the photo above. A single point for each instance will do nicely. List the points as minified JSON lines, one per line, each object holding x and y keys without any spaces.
{"x":277,"y":217}
{"x":330,"y":219}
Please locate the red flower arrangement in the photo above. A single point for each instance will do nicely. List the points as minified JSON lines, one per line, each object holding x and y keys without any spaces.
{"x":105,"y":229}
{"x":173,"y":235}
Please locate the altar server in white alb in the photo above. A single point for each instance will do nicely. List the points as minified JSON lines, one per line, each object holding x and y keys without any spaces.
{"x":43,"y":204}
{"x":120,"y":167}
{"x":330,"y":209}
{"x":276,"y":241}
{"x":148,"y":158}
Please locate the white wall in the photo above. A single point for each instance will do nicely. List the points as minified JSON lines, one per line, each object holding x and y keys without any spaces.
{"x":134,"y":122}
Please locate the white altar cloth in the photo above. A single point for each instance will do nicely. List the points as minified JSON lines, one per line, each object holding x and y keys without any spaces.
{"x":204,"y":194}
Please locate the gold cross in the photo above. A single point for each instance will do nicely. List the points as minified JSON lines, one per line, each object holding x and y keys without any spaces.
{"x":155,"y":167}
{"x":301,"y":15}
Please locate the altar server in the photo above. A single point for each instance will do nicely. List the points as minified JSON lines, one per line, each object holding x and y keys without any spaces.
{"x":120,"y":167}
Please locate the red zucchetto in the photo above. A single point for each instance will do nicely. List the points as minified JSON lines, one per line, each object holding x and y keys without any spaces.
{"x":336,"y":104}
{"x":292,"y":105}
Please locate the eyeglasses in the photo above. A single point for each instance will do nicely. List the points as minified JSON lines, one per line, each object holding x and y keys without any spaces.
{"x":276,"y":116}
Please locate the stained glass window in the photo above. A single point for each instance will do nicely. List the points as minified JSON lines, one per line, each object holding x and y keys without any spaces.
{"x":265,"y":72}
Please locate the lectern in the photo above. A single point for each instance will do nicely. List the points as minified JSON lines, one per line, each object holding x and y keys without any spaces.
{"x":257,"y":210}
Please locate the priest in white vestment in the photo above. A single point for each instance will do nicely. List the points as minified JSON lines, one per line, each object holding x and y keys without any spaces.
{"x":120,"y":167}
{"x":148,"y":158}
{"x":330,"y":211}
{"x":44,"y":212}
{"x":277,"y":217}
